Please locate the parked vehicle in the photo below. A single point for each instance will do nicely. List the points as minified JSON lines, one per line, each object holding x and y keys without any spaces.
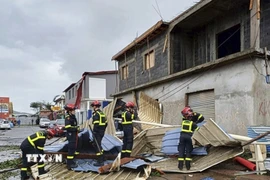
{"x":4,"y":124}
{"x":44,"y":122}
{"x":58,"y":127}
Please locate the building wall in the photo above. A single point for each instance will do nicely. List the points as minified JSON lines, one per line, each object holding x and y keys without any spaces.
{"x":134,"y":59}
{"x":111,"y":80}
{"x":191,"y":47}
{"x":261,"y":95}
{"x":265,"y":24}
{"x":234,"y":90}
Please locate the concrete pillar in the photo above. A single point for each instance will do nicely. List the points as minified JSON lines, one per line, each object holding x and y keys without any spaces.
{"x":255,"y":24}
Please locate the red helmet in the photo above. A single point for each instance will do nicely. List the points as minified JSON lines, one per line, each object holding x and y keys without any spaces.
{"x":187,"y":111}
{"x":130,"y":104}
{"x":50,"y":132}
{"x":95,"y":103}
{"x":69,"y":107}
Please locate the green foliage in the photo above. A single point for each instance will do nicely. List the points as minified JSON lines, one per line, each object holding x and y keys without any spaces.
{"x":37,"y":106}
{"x":10,"y":163}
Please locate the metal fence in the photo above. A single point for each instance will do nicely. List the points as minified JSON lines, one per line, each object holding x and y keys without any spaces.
{"x":27,"y":120}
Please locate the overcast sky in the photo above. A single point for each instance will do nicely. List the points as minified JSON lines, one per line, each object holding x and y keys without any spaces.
{"x":45,"y":45}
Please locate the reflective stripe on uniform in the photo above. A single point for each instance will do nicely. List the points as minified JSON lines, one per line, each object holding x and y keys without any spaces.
{"x":123,"y":151}
{"x":125,"y":120}
{"x":77,"y":152}
{"x":41,"y":148}
{"x":200,"y":117}
{"x":188,"y":159}
{"x":69,"y":126}
{"x":23,"y":169}
{"x":180,"y":159}
{"x":128,"y":151}
{"x":39,"y":136}
{"x":41,"y":165}
{"x":70,"y":157}
{"x":187,"y":123}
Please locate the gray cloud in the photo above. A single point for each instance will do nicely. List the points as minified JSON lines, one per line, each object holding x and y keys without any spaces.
{"x":46,"y":45}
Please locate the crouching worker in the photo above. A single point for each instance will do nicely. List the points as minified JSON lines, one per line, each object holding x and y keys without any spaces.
{"x":185,"y":143}
{"x":34,"y":144}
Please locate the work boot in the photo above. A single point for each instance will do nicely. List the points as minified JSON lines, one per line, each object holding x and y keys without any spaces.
{"x":180,"y":165}
{"x":24,"y":175}
{"x":42,"y":171}
{"x":188,"y":165}
{"x":69,"y":167}
{"x":99,"y":162}
{"x":123,"y":155}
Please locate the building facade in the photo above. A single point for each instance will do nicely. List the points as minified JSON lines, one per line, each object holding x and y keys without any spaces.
{"x":212,"y":57}
{"x":93,"y":86}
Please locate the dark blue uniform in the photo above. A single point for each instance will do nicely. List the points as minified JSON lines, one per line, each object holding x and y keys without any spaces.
{"x":33,"y":144}
{"x":185,"y":143}
{"x":72,"y":130}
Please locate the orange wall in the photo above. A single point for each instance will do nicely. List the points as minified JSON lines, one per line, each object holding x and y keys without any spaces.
{"x":4,"y":111}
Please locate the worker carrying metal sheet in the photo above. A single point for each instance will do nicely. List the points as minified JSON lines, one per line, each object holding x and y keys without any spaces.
{"x":72,"y":134}
{"x":34,"y":145}
{"x":185,"y":143}
{"x":127,"y":116}
{"x":100,"y":124}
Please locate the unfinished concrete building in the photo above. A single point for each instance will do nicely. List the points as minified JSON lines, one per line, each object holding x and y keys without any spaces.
{"x":212,"y":57}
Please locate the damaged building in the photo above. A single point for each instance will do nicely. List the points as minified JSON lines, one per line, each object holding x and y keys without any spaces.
{"x":212,"y":57}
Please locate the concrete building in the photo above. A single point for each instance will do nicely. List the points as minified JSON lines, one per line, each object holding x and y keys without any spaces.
{"x":211,"y":57}
{"x":94,"y":86}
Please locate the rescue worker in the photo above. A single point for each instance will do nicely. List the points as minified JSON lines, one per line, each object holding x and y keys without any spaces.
{"x":72,"y":130}
{"x":100,"y":124}
{"x":185,"y":142}
{"x":34,"y":144}
{"x":196,"y":117}
{"x":127,"y":116}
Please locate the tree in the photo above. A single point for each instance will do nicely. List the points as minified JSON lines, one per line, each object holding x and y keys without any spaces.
{"x":36,"y":106}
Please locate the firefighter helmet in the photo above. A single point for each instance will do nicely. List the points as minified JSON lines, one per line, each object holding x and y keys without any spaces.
{"x":95,"y":103}
{"x":187,"y":112}
{"x":69,"y":107}
{"x":50,"y":133}
{"x":130,"y":104}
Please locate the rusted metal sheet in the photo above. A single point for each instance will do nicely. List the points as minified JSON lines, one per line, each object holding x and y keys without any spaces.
{"x":149,"y":110}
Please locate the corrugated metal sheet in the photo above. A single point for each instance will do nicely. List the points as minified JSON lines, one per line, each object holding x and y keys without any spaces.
{"x":59,"y":171}
{"x":135,"y":164}
{"x":212,"y":134}
{"x":203,"y":102}
{"x":171,"y":140}
{"x":149,"y":110}
{"x":223,"y":147}
{"x":255,"y":131}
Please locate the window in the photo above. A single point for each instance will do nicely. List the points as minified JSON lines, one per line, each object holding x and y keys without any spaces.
{"x":228,"y":41}
{"x":69,"y":94}
{"x":76,"y":87}
{"x":72,"y":92}
{"x":149,"y":60}
{"x":124,"y":72}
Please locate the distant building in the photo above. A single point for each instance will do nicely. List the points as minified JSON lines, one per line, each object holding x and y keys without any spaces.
{"x":6,"y":108}
{"x":93,"y":86}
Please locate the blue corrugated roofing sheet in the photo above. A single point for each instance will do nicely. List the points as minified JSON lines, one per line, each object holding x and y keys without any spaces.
{"x":135,"y":164}
{"x":171,"y":140}
{"x":255,"y":131}
{"x":87,"y":165}
{"x":110,"y":144}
